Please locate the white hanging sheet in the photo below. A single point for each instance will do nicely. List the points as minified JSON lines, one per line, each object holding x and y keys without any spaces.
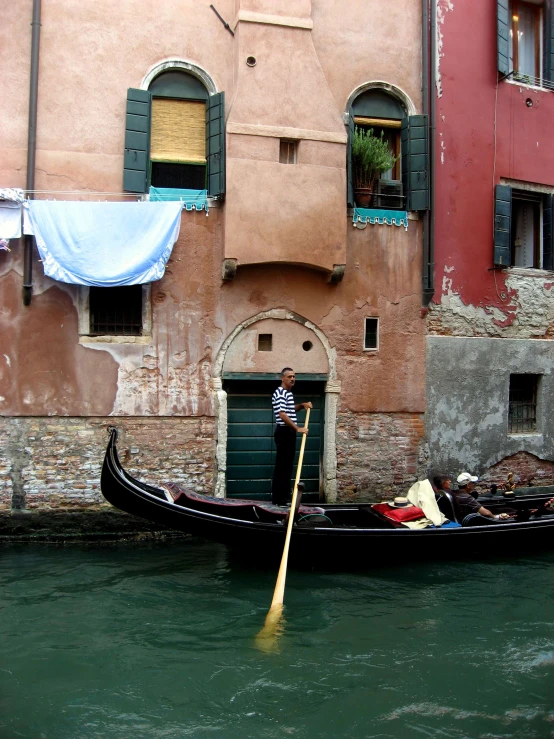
{"x":104,"y":244}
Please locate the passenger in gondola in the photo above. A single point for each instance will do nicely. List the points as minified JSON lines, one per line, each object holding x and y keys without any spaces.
{"x":466,"y":500}
{"x":442,"y":482}
{"x":545,"y":509}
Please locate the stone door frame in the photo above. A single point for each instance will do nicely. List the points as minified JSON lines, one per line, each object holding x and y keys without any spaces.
{"x":332,"y":392}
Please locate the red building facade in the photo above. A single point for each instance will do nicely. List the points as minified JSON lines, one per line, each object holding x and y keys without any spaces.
{"x":491,"y":323}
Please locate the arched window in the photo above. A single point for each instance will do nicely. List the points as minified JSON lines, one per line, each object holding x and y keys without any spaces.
{"x":175,"y":136}
{"x":379,"y":112}
{"x":404,"y":185}
{"x":178,"y":131}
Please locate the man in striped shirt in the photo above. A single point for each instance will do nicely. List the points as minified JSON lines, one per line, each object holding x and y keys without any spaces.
{"x":284,"y":410}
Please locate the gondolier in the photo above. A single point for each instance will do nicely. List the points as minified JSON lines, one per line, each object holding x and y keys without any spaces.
{"x":284,"y":410}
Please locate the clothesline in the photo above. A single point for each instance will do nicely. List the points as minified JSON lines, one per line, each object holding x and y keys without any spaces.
{"x":82,"y":192}
{"x":100,"y":243}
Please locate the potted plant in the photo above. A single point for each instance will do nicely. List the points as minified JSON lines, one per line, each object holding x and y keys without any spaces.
{"x":371,"y":156}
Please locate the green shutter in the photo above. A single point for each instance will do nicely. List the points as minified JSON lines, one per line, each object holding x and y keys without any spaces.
{"x":136,"y":160}
{"x":502,"y":226}
{"x":349,"y":172}
{"x":549,"y":41}
{"x":547,"y":256}
{"x":503,"y":36}
{"x":415,"y":161}
{"x":215,"y":144}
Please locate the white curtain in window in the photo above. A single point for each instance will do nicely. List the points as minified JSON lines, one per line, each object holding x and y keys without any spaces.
{"x":524,"y":235}
{"x":526,"y":40}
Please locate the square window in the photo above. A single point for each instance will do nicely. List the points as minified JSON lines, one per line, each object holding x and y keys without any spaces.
{"x":265,"y":342}
{"x":178,"y":176}
{"x":288,"y":151}
{"x":522,"y":411}
{"x":116,"y":311}
{"x":371,"y":337}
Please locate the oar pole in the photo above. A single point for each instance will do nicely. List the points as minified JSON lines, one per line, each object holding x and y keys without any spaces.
{"x":279,"y":593}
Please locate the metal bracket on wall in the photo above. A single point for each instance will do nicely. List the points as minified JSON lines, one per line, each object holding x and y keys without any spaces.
{"x":227,"y":26}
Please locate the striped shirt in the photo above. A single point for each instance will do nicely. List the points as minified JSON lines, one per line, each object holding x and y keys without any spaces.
{"x":283,"y":400}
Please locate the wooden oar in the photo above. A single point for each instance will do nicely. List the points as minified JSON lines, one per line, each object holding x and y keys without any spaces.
{"x":267,"y":637}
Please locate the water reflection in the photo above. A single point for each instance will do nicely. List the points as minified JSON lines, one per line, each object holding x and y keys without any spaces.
{"x":159,"y":641}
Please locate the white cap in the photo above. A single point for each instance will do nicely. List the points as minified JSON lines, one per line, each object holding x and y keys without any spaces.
{"x":464,"y":477}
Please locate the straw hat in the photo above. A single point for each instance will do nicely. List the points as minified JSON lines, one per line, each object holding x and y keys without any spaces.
{"x":400,"y":502}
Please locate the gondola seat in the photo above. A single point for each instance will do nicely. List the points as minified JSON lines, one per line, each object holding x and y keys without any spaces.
{"x":447,"y":506}
{"x":246,"y":510}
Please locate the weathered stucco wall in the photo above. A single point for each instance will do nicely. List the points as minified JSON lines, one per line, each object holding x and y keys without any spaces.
{"x":468,"y":391}
{"x":486,"y":132}
{"x":275,"y":217}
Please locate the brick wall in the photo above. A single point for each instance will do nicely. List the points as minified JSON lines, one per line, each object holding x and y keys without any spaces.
{"x":527,"y":468}
{"x":53,"y":463}
{"x":379,"y":455}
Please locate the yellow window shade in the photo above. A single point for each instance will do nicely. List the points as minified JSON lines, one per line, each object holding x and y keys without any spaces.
{"x":178,"y":131}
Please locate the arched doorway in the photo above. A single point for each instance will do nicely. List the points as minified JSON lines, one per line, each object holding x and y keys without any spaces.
{"x":247,"y":371}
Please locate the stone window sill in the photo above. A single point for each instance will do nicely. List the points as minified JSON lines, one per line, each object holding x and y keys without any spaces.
{"x":530,"y":272}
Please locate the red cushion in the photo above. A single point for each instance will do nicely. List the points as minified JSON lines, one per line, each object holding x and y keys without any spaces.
{"x":409,"y":513}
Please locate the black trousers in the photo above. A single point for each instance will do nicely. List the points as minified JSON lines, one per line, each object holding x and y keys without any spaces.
{"x":285,"y":441}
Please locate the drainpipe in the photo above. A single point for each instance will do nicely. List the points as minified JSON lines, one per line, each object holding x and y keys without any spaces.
{"x":429,"y":22}
{"x":31,"y":150}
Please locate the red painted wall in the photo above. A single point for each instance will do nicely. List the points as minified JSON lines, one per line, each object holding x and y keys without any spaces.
{"x":484,"y":131}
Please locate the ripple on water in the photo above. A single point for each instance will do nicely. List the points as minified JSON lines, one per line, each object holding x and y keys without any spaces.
{"x":158,"y":642}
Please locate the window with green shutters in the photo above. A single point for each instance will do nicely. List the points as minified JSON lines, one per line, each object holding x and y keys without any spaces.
{"x":522,"y":228}
{"x":415,"y":161}
{"x":215,"y":144}
{"x":406,"y":185}
{"x":525,"y":41}
{"x":175,"y":136}
{"x":349,"y":172}
{"x":136,"y":158}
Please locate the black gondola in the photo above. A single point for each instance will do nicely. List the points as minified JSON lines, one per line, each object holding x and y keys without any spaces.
{"x":331,"y":531}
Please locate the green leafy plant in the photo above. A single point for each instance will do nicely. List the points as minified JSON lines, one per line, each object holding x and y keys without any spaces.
{"x":371,"y":156}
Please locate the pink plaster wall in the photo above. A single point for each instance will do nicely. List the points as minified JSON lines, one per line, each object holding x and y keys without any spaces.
{"x":298,"y":215}
{"x":288,"y":338}
{"x":285,"y":213}
{"x":365,"y":40}
{"x":273,"y":211}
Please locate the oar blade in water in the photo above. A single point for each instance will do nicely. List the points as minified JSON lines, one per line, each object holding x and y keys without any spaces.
{"x":267,"y":640}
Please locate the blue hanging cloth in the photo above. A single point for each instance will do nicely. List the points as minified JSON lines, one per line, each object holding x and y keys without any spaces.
{"x":191,"y":199}
{"x":105,"y":244}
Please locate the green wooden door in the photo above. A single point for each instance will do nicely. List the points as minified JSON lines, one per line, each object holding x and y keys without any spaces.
{"x":250,"y":445}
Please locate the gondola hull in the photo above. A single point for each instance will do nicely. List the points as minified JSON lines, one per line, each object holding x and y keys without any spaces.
{"x":344,"y":533}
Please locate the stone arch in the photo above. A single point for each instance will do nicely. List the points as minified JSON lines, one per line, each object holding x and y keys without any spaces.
{"x":332,"y":391}
{"x":392,"y":90}
{"x":182,"y":65}
{"x":279,"y":314}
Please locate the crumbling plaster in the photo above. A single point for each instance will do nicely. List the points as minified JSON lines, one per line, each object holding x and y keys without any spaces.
{"x":467,"y":400}
{"x":524,"y":309}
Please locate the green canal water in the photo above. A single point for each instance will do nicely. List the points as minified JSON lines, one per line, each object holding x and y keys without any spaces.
{"x":157,"y":641}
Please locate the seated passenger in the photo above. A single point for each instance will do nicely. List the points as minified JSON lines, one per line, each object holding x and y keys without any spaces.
{"x":465,"y":499}
{"x":442,"y":482}
{"x":543,"y":510}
